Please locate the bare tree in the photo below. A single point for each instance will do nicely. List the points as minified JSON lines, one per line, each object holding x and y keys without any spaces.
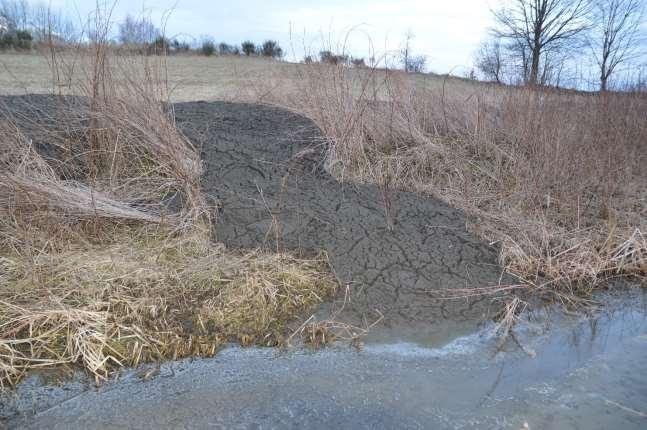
{"x":417,"y":64}
{"x":51,"y":25}
{"x":615,"y":38}
{"x":4,"y":25}
{"x":405,"y":52}
{"x":137,"y":32}
{"x":16,"y":14}
{"x":410,"y":62}
{"x":489,"y":60}
{"x":541,"y":26}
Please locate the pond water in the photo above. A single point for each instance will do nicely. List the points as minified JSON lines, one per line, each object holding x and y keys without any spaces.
{"x":573,"y":372}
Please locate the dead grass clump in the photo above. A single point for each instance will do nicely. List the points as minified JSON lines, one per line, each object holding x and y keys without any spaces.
{"x":317,"y":333}
{"x":31,"y":188}
{"x":556,"y":179}
{"x":147,"y":298}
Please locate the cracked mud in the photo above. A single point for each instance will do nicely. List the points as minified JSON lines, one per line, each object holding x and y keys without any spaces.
{"x":396,"y":250}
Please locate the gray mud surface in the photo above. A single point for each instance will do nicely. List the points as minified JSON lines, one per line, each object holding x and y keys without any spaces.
{"x":396,"y":250}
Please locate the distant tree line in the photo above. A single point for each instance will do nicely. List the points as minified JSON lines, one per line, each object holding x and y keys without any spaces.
{"x":142,"y":34}
{"x":328,"y":57}
{"x":531,"y":42}
{"x":23,"y":25}
{"x":269,"y":48}
{"x":404,"y":58}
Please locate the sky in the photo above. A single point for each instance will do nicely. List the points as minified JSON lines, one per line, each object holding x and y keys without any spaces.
{"x":447,"y":32}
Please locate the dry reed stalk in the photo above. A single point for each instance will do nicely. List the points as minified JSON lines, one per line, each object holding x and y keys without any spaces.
{"x":556,"y":178}
{"x":317,"y":333}
{"x":30,"y":187}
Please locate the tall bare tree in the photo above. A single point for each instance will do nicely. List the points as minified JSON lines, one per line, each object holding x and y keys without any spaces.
{"x":137,"y":31}
{"x":541,"y":26}
{"x":51,"y":25}
{"x":616,"y":34}
{"x":411,"y":63}
{"x":405,"y":52}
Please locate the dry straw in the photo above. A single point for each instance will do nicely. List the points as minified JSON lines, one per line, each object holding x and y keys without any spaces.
{"x":556,"y":179}
{"x":106,"y":255}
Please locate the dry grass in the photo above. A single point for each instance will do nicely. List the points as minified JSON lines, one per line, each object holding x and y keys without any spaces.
{"x":189,"y":77}
{"x":147,"y":297}
{"x":98,"y":266}
{"x":556,"y":179}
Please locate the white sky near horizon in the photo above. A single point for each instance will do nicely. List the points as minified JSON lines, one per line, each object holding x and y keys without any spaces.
{"x":447,"y":32}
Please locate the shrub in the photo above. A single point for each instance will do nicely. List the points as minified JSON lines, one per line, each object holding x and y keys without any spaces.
{"x":358,"y":62}
{"x":180,"y":46}
{"x":249,"y":48}
{"x":329,"y":58}
{"x":227,"y":49}
{"x":556,"y":178}
{"x":208,"y":48}
{"x":7,"y":41}
{"x":160,"y":46}
{"x":23,"y":40}
{"x":271,"y":49}
{"x":416,"y":64}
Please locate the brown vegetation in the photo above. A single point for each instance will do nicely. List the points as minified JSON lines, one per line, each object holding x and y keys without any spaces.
{"x":97,"y":268}
{"x":556,"y":179}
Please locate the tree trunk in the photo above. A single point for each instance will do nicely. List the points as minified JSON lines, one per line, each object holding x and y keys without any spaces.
{"x":604,"y":74}
{"x":534,"y":67}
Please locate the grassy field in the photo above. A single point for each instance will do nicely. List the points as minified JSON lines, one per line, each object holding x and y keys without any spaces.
{"x":189,"y":77}
{"x":555,"y":179}
{"x":195,"y":77}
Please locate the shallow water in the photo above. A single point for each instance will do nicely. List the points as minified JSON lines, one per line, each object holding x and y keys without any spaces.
{"x":588,"y":373}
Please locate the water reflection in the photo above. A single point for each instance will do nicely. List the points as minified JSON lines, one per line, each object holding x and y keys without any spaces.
{"x":588,"y":372}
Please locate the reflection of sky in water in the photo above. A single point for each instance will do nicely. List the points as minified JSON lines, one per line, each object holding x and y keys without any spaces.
{"x":588,"y":373}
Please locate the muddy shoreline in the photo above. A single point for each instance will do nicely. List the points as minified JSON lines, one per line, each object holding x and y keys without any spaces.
{"x":431,"y":362}
{"x":264,"y":166}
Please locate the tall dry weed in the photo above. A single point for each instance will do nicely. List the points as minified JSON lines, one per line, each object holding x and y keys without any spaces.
{"x":556,"y":178}
{"x":106,"y":254}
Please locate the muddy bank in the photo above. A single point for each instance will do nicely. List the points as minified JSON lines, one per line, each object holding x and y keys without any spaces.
{"x":588,"y":374}
{"x":395,"y":250}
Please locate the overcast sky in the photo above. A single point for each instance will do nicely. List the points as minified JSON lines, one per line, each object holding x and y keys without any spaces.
{"x":446,"y":31}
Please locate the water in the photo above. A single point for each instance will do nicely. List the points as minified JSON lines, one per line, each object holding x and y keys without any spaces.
{"x":586,"y":373}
